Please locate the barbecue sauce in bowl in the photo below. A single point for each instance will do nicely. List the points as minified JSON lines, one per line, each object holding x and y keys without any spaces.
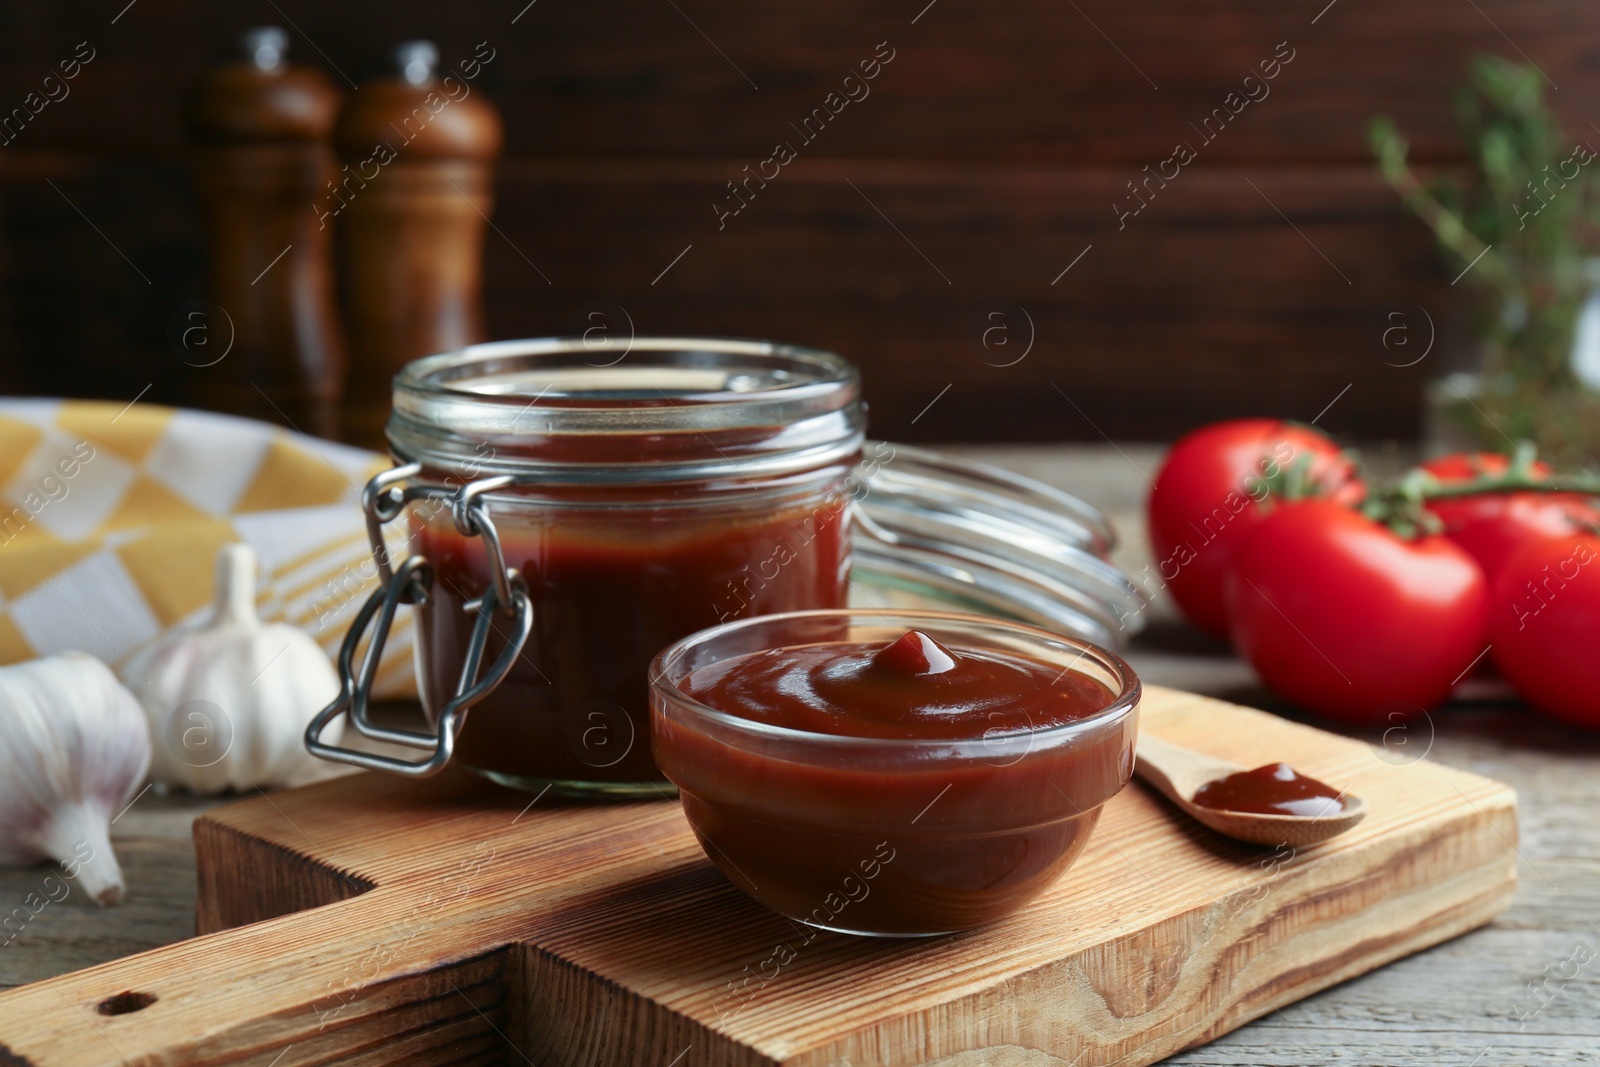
{"x":916,"y":785}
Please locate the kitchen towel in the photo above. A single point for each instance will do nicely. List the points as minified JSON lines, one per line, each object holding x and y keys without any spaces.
{"x":111,"y":516}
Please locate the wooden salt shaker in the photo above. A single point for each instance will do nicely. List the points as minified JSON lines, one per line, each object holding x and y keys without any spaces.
{"x":414,"y":197}
{"x":263,"y":159}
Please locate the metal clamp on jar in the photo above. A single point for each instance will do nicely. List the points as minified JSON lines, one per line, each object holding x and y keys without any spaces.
{"x":385,"y":498}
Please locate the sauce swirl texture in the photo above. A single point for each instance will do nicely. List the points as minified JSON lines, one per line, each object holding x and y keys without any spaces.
{"x":914,"y":688}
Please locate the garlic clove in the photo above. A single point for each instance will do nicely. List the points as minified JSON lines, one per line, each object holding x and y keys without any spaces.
{"x":79,"y":838}
{"x":73,"y":749}
{"x":234,"y":601}
{"x":228,"y":701}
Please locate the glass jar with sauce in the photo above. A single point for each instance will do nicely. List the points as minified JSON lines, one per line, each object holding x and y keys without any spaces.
{"x":569,"y":513}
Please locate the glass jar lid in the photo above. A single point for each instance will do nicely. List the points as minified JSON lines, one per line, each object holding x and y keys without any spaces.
{"x":936,"y":531}
{"x":665,"y":409}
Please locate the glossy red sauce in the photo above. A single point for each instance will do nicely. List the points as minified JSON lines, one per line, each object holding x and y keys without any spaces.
{"x":609,"y":591}
{"x":913,"y":688}
{"x":971,"y":831}
{"x":1275,"y":789}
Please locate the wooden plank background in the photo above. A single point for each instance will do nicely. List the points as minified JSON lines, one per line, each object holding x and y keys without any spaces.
{"x":985,"y":160}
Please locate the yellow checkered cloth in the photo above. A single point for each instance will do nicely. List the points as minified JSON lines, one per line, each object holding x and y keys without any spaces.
{"x":111,"y":517}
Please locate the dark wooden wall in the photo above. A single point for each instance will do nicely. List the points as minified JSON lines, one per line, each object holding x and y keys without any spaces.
{"x":987,"y":157}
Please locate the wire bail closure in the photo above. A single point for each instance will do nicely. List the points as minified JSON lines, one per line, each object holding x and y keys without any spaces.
{"x":384,"y":499}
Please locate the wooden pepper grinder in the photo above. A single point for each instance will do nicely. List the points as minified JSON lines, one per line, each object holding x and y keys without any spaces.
{"x":416,"y":191}
{"x":262,"y":128}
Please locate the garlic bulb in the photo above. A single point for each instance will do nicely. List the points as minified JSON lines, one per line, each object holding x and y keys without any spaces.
{"x":229,"y":702}
{"x":73,"y":748}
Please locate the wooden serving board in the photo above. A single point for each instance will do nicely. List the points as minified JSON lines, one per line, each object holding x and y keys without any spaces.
{"x":450,"y":922}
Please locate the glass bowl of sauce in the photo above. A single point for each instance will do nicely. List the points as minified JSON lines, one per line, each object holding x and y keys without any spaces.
{"x":892,"y":773}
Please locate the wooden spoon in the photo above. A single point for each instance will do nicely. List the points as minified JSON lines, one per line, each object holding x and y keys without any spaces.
{"x":1177,"y":772}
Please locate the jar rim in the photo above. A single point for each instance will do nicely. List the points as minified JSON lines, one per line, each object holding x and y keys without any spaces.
{"x":1125,"y":698}
{"x":433,"y":374}
{"x":665,"y":408}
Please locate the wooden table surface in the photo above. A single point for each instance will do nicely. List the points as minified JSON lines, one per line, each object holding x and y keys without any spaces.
{"x":1522,"y":991}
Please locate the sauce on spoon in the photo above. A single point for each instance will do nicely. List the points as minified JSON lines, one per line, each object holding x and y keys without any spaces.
{"x":1274,"y":789}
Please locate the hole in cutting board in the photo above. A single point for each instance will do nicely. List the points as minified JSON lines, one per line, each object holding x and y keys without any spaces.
{"x":125,"y":1002}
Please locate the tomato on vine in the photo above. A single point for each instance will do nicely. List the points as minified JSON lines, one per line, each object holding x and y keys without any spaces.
{"x":1544,"y":622}
{"x":1491,"y":524}
{"x":1208,"y":496}
{"x":1348,"y":619}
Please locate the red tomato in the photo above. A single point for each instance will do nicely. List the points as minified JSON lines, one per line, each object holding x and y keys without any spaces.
{"x":1544,"y":620}
{"x":1345,"y":618}
{"x":1206,"y":497}
{"x":1492,"y":526}
{"x":1461,"y":466}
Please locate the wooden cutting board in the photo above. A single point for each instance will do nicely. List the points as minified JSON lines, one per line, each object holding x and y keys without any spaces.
{"x":453,"y":923}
